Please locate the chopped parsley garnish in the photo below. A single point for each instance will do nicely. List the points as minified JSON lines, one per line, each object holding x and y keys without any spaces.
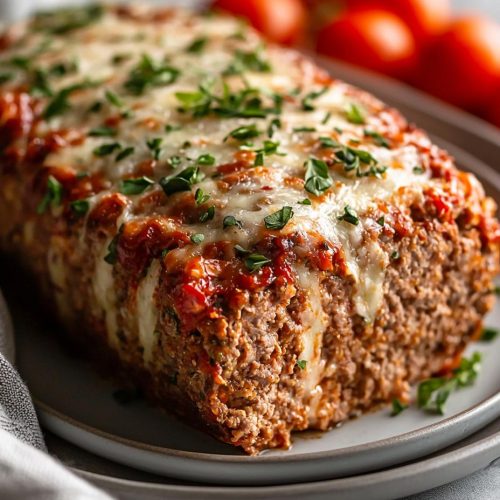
{"x":243,"y":133}
{"x":434,"y":392}
{"x":172,"y":128}
{"x":240,"y":250}
{"x":256,"y":261}
{"x":124,"y":153}
{"x":5,"y":77}
{"x":59,"y":104}
{"x":20,"y":62}
{"x":150,"y":74}
{"x":231,"y":221}
{"x":304,"y":129}
{"x":248,"y":61}
{"x":279,"y":219}
{"x":106,"y":149}
{"x":117,"y":59}
{"x":489,"y":334}
{"x":135,"y":186}
{"x":102,"y":132}
{"x":305,"y":201}
{"x":174,"y":161}
{"x":205,"y":159}
{"x":398,"y":407}
{"x":496,"y":290}
{"x":197,"y":238}
{"x":354,"y":114}
{"x":181,"y":181}
{"x":308,"y":100}
{"x":349,"y":216}
{"x":80,"y":207}
{"x":113,"y":99}
{"x":273,"y":126}
{"x":112,"y":256}
{"x":209,"y":214}
{"x":328,"y":142}
{"x":63,"y":68}
{"x":302,"y":364}
{"x":418,"y":170}
{"x":378,"y":139}
{"x":67,"y":19}
{"x":53,"y":195}
{"x":200,"y":197}
{"x":154,"y":145}
{"x":40,"y":84}
{"x":381,"y":221}
{"x":327,"y":117}
{"x":197,"y":45}
{"x":317,"y":179}
{"x":395,"y":255}
{"x":353,"y":160}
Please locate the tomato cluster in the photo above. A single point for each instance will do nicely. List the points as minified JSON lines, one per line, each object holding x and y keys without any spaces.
{"x":418,"y":41}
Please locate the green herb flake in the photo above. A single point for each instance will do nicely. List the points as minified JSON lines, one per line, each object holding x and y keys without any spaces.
{"x":418,"y":170}
{"x":135,"y":186}
{"x":381,"y":221}
{"x":112,"y":256}
{"x":197,"y":45}
{"x":328,"y":142}
{"x":278,"y":220}
{"x":181,"y":181}
{"x":243,"y":133}
{"x":102,"y":132}
{"x":197,"y":238}
{"x":209,"y":214}
{"x":308,"y":100}
{"x":254,"y":262}
{"x":378,"y":139}
{"x":124,"y":153}
{"x":302,"y":364}
{"x":398,"y":407}
{"x":489,"y":334}
{"x":154,"y":145}
{"x":200,"y":197}
{"x":172,"y":128}
{"x":53,"y":195}
{"x":395,"y":255}
{"x":317,"y":179}
{"x":60,"y":102}
{"x":205,"y":159}
{"x":305,"y":201}
{"x":354,"y":114}
{"x":434,"y":392}
{"x":273,"y":127}
{"x":349,"y":216}
{"x":231,"y":221}
{"x":299,"y":130}
{"x":150,"y":74}
{"x":79,"y":207}
{"x":67,"y":19}
{"x":5,"y":77}
{"x":113,"y":99}
{"x":106,"y":149}
{"x":248,"y":61}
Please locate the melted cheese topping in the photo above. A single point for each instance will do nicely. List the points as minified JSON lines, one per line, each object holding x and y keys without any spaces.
{"x":104,"y":56}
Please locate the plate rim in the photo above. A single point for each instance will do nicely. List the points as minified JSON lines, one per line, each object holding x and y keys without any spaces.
{"x":486,"y":406}
{"x":451,"y":458}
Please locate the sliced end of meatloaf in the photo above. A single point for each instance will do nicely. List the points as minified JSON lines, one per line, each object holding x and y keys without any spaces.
{"x":260,"y":247}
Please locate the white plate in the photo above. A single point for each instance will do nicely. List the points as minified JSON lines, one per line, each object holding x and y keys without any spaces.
{"x":76,"y":404}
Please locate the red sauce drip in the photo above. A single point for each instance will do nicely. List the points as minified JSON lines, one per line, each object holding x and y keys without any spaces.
{"x":143,"y":240}
{"x":105,"y":214}
{"x":17,"y":116}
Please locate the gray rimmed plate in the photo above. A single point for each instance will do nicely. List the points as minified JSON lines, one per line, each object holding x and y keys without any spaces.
{"x":76,"y":404}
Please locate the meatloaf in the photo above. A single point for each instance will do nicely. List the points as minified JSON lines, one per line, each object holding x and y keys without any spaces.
{"x":260,"y":247}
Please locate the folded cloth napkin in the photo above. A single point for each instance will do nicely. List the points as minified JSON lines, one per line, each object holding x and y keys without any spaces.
{"x":26,"y":470}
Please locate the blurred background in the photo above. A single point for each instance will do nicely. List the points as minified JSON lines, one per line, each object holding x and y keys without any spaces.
{"x":447,"y":48}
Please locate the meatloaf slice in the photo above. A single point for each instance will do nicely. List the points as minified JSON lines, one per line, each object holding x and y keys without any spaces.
{"x":259,"y":246}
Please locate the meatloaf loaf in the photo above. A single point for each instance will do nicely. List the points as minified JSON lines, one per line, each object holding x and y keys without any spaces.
{"x":261,"y":247}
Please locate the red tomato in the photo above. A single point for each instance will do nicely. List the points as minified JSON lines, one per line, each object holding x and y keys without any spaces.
{"x":281,"y":21}
{"x":462,"y":66}
{"x":425,"y":18}
{"x":372,"y":38}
